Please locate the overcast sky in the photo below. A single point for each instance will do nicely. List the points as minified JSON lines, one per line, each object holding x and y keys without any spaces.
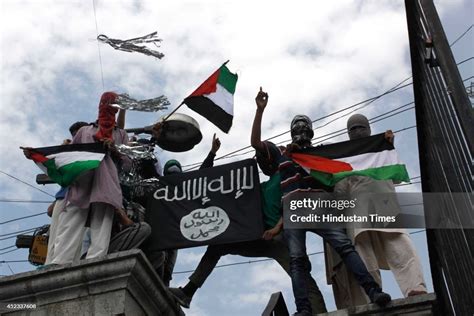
{"x":313,"y":57}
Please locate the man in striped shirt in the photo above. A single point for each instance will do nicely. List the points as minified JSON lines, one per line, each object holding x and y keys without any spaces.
{"x":294,"y":178}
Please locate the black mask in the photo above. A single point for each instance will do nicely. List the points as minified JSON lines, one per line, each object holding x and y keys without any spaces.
{"x":301,"y":133}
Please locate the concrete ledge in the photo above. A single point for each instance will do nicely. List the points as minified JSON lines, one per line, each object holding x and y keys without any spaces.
{"x":419,"y":305}
{"x":119,"y":284}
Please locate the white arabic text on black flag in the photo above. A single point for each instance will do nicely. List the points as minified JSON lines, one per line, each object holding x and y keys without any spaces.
{"x":210,"y":206}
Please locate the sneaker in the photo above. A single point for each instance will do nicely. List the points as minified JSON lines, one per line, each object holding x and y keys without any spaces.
{"x":180,"y":296}
{"x":378,"y":297}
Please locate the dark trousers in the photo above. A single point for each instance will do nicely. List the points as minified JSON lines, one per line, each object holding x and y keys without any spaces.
{"x":300,"y":267}
{"x":275,"y":249}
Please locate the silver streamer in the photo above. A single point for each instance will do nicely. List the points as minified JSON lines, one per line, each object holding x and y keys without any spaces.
{"x":124,"y":101}
{"x":138,"y":185}
{"x":137,"y":152}
{"x":131,"y":46}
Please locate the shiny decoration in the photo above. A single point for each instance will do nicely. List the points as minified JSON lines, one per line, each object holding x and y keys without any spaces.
{"x":137,"y":184}
{"x":131,"y":46}
{"x":125,"y":102}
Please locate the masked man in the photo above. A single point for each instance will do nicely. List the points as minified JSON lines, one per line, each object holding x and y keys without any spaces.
{"x":271,"y":245}
{"x":95,"y":194}
{"x":388,"y":249}
{"x":295,"y":178}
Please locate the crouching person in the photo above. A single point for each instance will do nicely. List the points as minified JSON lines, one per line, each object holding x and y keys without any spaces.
{"x":127,"y":234}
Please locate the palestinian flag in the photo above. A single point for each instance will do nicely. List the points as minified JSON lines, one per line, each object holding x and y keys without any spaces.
{"x":63,"y":164}
{"x":214,"y":99}
{"x":371,"y":156}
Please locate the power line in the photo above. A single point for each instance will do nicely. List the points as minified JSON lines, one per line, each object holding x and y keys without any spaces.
{"x":465,"y":60}
{"x":461,"y":36}
{"x":20,"y":231}
{"x":234,"y":153}
{"x":98,"y":46}
{"x":16,"y":219}
{"x":9,"y":247}
{"x":344,"y":131}
{"x":9,"y":252}
{"x":11,"y":270}
{"x":370,"y":100}
{"x":10,"y":261}
{"x":14,"y":236}
{"x":341,"y":132}
{"x":3,"y":200}
{"x":268,"y":259}
{"x":231,"y":154}
{"x":218,"y":266}
{"x":333,"y":134}
{"x":244,"y":262}
{"x":30,"y":185}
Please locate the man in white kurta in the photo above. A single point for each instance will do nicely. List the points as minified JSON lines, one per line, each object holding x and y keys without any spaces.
{"x":379,"y":248}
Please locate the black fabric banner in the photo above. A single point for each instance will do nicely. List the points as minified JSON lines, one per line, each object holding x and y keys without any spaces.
{"x":210,"y":206}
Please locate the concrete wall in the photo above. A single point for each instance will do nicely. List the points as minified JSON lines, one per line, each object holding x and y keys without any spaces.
{"x":420,"y":305}
{"x":119,"y":284}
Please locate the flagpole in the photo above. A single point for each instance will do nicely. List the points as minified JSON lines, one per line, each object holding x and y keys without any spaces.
{"x":167,"y":117}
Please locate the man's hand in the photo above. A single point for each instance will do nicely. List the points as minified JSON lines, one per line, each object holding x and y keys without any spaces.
{"x":389,"y":136}
{"x":67,"y":141}
{"x":216,"y":144}
{"x":157,"y":129}
{"x":261,"y":99}
{"x":51,"y":208}
{"x":292,"y":147}
{"x":270,"y":233}
{"x":27,"y":151}
{"x":123,"y":218}
{"x":109,"y":145}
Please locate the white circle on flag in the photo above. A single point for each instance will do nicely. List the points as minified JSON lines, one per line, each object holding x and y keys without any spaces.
{"x":204,"y":223}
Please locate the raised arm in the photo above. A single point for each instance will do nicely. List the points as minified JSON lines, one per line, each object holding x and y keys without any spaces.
{"x":209,"y":161}
{"x":256,"y":140}
{"x":121,"y":119}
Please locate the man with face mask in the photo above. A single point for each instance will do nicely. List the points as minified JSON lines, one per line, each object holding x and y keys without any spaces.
{"x":95,"y":194}
{"x":388,"y":249}
{"x":271,"y":245}
{"x":295,"y":178}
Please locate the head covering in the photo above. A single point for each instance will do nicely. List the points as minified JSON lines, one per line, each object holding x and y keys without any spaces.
{"x":76,"y":126}
{"x":106,"y":116}
{"x":358,"y":126}
{"x":301,"y":129}
{"x":268,"y":159}
{"x":172,"y":166}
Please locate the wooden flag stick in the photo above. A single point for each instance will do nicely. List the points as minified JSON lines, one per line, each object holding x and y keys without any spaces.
{"x":167,"y":117}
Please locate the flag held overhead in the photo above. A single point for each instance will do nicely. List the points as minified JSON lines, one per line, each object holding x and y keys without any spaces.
{"x":214,"y":98}
{"x":372,"y":156}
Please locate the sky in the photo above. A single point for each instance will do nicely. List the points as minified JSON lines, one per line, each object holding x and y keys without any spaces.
{"x":312,"y":58}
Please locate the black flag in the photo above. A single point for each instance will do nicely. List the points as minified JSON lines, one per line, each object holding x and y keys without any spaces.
{"x":209,"y":206}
